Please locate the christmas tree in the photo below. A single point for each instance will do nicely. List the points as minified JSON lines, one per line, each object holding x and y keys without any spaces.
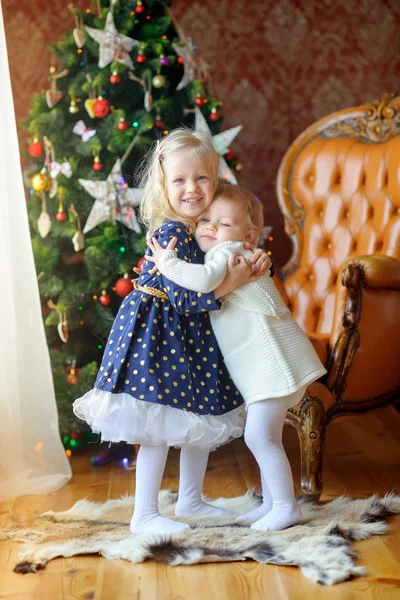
{"x":123,"y":77}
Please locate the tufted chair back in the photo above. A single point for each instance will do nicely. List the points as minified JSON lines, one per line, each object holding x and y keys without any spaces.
{"x":339,"y":191}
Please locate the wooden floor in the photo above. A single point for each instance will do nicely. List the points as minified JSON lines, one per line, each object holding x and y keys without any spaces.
{"x":362,"y":457}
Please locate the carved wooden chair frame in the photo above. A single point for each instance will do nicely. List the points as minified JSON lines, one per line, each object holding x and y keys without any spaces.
{"x":372,"y":123}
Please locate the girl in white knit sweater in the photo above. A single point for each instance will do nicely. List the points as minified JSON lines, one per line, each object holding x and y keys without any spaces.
{"x":269,"y":358}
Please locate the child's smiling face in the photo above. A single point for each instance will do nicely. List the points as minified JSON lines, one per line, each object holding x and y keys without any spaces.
{"x":189,"y":183}
{"x":224,"y":220}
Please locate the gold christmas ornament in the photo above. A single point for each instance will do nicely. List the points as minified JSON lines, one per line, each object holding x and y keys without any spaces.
{"x":41,"y":182}
{"x":89,"y":107}
{"x":73,"y":109}
{"x":159,"y":81}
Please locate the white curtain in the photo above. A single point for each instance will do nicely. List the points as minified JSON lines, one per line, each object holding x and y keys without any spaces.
{"x":32,"y":457}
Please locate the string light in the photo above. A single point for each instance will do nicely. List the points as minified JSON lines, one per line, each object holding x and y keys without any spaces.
{"x":270,"y":239}
{"x":80,"y":307}
{"x":99,"y":346}
{"x":125,"y":462}
{"x":135,"y":124}
{"x":269,"y":252}
{"x":95,"y":297}
{"x":88,"y":10}
{"x":122,"y":249}
{"x":68,"y":453}
{"x":132,"y":13}
{"x":79,"y":50}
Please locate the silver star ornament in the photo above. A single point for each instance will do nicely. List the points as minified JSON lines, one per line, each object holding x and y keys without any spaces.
{"x":114,"y":202}
{"x":113,"y":45}
{"x":194,"y":66}
{"x":221,"y":143}
{"x":189,"y":62}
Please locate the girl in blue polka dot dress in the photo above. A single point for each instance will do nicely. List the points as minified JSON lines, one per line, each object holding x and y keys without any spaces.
{"x":162,"y":381}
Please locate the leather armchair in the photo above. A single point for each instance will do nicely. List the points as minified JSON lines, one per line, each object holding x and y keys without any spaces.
{"x":338,"y":188}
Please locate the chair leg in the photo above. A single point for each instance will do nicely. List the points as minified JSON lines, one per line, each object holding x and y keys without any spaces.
{"x":311,"y":428}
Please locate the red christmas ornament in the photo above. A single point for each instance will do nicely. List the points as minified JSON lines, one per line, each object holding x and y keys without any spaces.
{"x":199,"y":101}
{"x":158,"y":123}
{"x":115,"y":78}
{"x":35,"y":149}
{"x":73,"y":378}
{"x":123,"y":286}
{"x":180,"y":60}
{"x":139,"y":7}
{"x":97,"y":165}
{"x":214,"y":116}
{"x":101,"y":108}
{"x":141,"y":58}
{"x":105,"y":299}
{"x":61,"y":216}
{"x":230,"y":155}
{"x":122,"y":125}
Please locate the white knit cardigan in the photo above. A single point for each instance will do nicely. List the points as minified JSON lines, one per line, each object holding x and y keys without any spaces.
{"x":266,"y":352}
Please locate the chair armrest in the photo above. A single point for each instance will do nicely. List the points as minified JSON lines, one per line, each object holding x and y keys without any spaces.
{"x":366,"y":332}
{"x":378,"y":271}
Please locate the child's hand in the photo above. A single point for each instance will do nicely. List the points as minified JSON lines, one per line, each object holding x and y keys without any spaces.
{"x":158,"y":252}
{"x":260,"y":260}
{"x":239,"y":273}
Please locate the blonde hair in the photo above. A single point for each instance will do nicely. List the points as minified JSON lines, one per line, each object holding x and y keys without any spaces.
{"x":155,"y":206}
{"x":251,"y":203}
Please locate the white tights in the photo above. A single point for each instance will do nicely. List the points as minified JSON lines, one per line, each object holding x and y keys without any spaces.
{"x":263,"y":436}
{"x":150,"y":467}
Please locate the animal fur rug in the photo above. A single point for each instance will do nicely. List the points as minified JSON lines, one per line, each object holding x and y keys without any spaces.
{"x":320,"y":545}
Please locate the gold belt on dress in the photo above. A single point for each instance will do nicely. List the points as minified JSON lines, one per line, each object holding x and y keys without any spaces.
{"x":149,"y":290}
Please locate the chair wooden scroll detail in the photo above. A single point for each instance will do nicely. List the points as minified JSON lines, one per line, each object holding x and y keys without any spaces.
{"x":338,"y":188}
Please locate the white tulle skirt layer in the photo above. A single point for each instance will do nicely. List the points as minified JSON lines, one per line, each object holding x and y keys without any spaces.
{"x":121,"y":417}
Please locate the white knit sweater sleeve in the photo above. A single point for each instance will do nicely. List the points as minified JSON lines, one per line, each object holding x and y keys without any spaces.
{"x":199,"y":278}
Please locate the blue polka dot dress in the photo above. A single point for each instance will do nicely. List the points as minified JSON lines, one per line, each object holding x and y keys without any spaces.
{"x":162,"y":379}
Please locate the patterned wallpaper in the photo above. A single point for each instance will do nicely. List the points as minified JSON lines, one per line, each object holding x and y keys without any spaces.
{"x":278,"y":65}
